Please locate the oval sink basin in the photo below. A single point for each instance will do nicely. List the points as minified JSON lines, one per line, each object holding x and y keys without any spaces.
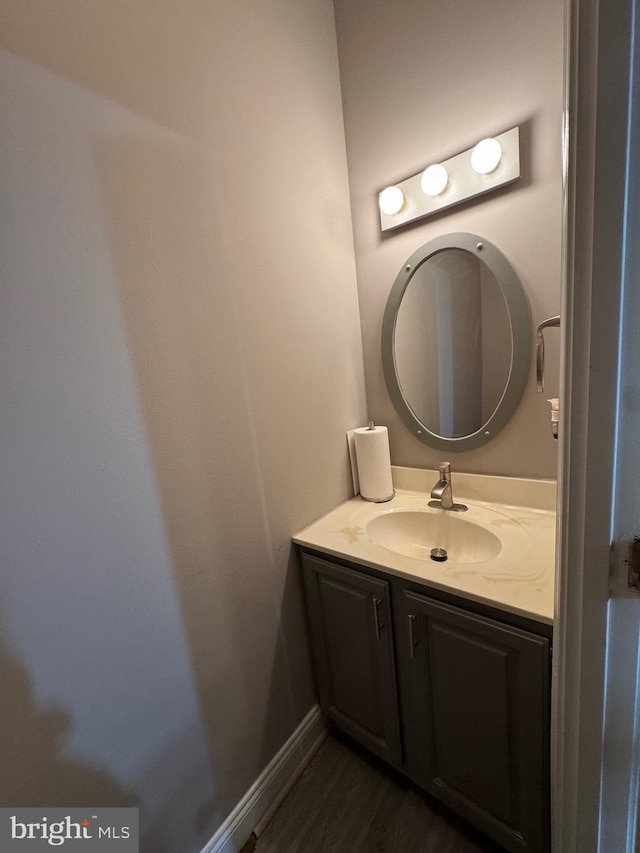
{"x":413,"y":533}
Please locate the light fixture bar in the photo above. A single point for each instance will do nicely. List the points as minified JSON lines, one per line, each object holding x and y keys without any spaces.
{"x":463,"y":182}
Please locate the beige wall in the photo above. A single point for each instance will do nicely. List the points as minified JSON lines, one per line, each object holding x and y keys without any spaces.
{"x":422,"y":82}
{"x":180,"y":359}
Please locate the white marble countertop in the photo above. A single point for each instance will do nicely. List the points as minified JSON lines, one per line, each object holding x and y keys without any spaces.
{"x":519,"y":579}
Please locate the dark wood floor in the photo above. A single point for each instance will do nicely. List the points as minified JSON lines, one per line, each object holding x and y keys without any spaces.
{"x":346,"y":802}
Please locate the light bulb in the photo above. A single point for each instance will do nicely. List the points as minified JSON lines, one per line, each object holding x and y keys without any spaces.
{"x":486,"y":156}
{"x":434,"y":180}
{"x":391,"y":200}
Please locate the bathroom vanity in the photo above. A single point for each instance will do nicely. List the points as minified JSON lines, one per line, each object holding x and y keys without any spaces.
{"x":443,"y":668}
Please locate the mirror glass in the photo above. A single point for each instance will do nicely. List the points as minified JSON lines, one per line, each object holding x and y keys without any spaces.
{"x":456,"y":342}
{"x":453,"y":343}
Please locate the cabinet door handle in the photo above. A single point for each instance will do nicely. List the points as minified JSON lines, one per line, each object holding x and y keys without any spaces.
{"x":412,"y":642}
{"x":376,"y":617}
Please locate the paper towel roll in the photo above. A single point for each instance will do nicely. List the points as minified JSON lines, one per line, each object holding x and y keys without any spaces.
{"x":374,"y":463}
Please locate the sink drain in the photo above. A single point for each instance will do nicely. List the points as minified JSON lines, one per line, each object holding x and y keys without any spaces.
{"x":439,"y":555}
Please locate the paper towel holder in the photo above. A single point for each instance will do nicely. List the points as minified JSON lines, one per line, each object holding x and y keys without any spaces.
{"x":371,"y":427}
{"x":379,"y":500}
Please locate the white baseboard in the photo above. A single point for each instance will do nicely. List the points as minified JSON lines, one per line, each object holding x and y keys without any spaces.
{"x":258,"y":805}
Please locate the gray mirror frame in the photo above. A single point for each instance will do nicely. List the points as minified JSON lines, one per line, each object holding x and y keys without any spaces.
{"x":521,"y":340}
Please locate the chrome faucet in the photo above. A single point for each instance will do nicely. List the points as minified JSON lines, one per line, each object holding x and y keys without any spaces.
{"x":442,"y":492}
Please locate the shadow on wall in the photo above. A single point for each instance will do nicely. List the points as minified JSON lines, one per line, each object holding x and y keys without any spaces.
{"x":130,"y":53}
{"x":167,"y":242}
{"x":292,"y":662}
{"x":35,"y":772}
{"x":165,"y":223}
{"x":32,"y":740}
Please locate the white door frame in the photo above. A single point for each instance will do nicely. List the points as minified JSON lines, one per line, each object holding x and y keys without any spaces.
{"x":598,"y":106}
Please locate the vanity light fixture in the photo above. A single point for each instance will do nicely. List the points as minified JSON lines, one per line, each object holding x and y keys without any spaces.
{"x":434,"y":180}
{"x":490,"y":164}
{"x":391,"y":200}
{"x":486,"y":156}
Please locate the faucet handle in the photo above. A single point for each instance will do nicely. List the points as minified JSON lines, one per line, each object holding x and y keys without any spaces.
{"x":444,"y":468}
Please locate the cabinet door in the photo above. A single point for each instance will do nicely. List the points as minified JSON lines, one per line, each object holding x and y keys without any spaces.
{"x":475,"y":718}
{"x":350,"y":621}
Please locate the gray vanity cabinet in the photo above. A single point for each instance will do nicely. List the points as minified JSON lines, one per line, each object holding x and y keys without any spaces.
{"x":474,"y":695}
{"x":452,"y":693}
{"x":350,"y":622}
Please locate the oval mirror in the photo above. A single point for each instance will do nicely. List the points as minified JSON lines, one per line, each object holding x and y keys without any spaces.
{"x":456,"y":342}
